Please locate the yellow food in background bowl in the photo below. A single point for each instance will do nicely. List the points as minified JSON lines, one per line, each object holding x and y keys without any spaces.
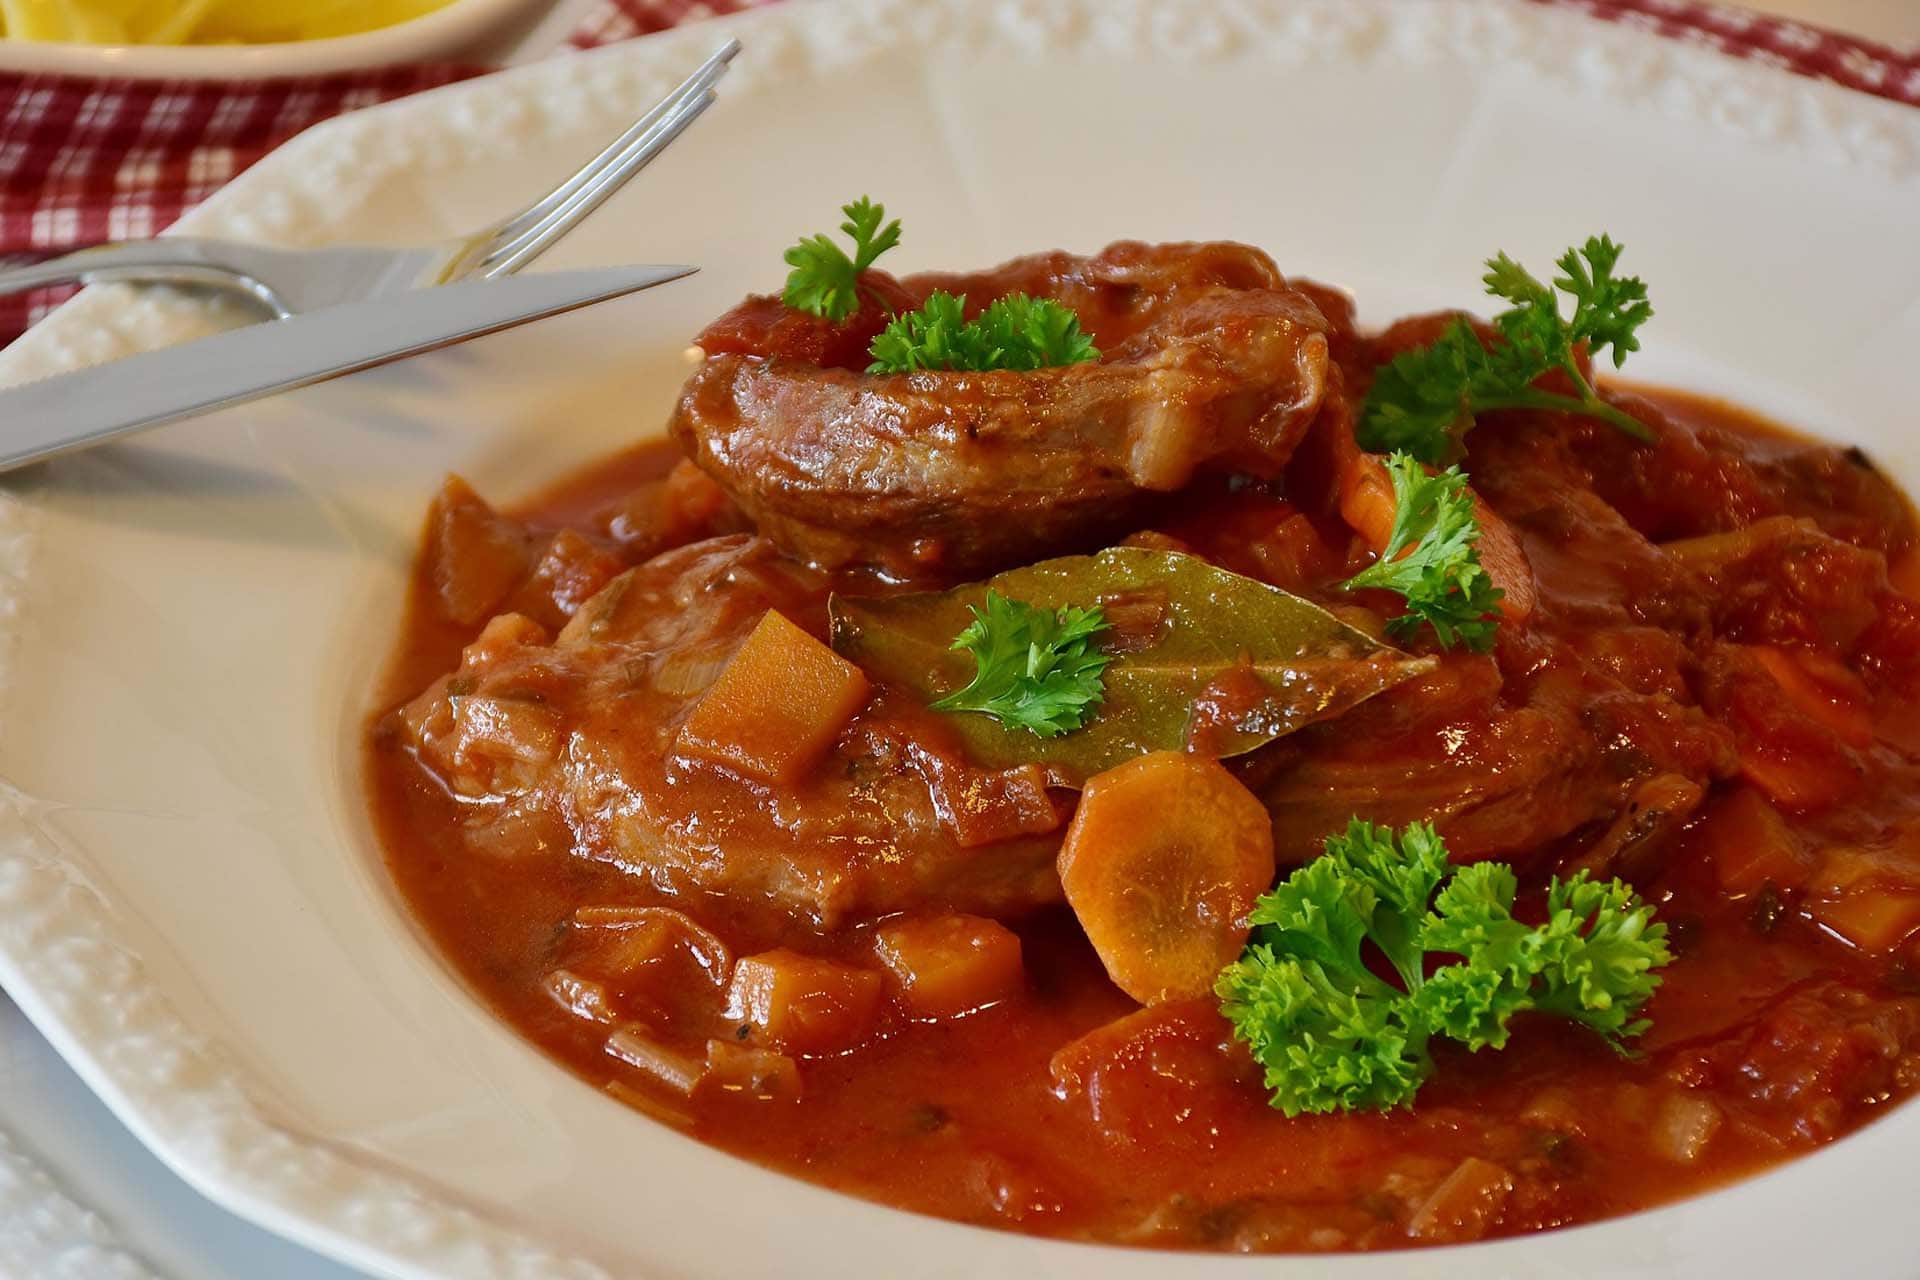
{"x":200,"y":21}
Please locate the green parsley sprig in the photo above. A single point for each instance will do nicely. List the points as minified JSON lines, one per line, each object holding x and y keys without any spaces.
{"x":1430,"y":559}
{"x":1034,"y":669}
{"x":1333,"y":1035}
{"x":1423,"y":401}
{"x":824,"y":280}
{"x":1014,"y":332}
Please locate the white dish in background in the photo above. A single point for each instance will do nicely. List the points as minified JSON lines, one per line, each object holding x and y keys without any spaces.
{"x":461,"y":31}
{"x":191,"y":904}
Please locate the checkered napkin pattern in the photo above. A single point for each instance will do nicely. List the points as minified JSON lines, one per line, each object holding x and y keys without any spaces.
{"x":87,"y":161}
{"x":1794,"y":46}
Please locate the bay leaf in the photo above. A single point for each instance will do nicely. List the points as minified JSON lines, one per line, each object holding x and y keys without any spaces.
{"x":1184,"y":633}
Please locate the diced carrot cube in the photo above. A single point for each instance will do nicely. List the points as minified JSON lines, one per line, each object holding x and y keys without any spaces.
{"x":685,"y":506}
{"x":1822,"y":689}
{"x":1169,"y":1078}
{"x":1799,"y":780}
{"x":474,"y":555}
{"x":1465,"y":1206}
{"x":1076,"y":1066}
{"x":1751,"y":845}
{"x":804,"y":1004}
{"x":691,"y":499}
{"x":1866,"y":896}
{"x":777,"y":705}
{"x":1161,"y":865}
{"x":950,"y":965}
{"x":1292,"y":554}
{"x":1871,"y":918}
{"x":570,"y":572}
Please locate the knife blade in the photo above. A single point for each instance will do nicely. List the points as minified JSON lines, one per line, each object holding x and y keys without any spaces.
{"x":75,"y":410}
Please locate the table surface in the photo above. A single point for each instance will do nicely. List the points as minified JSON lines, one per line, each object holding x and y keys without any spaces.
{"x":139,"y":1220}
{"x":1894,"y":22}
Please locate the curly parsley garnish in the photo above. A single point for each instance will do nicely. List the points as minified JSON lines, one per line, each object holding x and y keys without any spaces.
{"x":1332,"y":1035}
{"x":1424,"y":401}
{"x":1431,"y":561}
{"x":824,"y":280}
{"x":1014,"y":332}
{"x":1035,"y":669}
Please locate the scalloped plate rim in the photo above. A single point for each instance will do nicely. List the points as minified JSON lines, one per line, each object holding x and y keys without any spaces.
{"x":1865,"y":133}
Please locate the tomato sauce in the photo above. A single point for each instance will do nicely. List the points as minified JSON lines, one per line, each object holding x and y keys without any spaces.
{"x":1790,"y":882}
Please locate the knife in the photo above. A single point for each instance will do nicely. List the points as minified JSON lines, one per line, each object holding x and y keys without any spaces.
{"x":78,"y":410}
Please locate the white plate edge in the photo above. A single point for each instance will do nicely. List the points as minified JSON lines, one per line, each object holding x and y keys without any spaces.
{"x":394,"y":1224}
{"x":281,"y":200}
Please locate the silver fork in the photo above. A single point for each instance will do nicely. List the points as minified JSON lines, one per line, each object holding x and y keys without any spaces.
{"x":287,"y":282}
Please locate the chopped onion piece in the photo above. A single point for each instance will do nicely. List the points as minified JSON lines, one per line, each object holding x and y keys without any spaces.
{"x":745,"y":1071}
{"x":1465,"y":1206}
{"x":634,"y":1045}
{"x":582,"y":997}
{"x":1684,"y":1126}
{"x":659,"y":928}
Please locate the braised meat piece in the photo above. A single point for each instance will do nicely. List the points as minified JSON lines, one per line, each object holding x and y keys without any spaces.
{"x":1501,"y":772}
{"x":572,"y":742}
{"x":1588,"y":709}
{"x":1813,"y":1060}
{"x":756,"y":885}
{"x":1209,"y":358}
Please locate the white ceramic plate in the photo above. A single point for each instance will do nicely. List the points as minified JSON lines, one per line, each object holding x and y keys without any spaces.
{"x":462,"y":30}
{"x":191,"y":906}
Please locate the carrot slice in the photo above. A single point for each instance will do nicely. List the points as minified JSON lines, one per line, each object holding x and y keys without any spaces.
{"x":1162,"y":864}
{"x":776,"y":706}
{"x":1367,"y":505}
{"x":1366,"y":494}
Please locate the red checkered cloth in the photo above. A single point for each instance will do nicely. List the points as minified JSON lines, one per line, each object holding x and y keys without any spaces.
{"x":87,"y":161}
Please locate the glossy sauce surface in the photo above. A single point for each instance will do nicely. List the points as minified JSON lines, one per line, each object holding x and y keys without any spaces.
{"x":1790,"y":1015}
